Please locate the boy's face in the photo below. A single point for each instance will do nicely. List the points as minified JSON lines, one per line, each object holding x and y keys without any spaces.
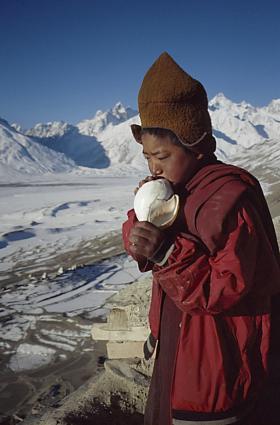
{"x":168,"y":160}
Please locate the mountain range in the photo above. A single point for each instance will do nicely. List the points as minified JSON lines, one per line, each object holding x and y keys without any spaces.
{"x":104,"y":144}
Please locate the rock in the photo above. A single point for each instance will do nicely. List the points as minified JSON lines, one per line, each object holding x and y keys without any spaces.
{"x":125,"y":349}
{"x":120,"y":390}
{"x":127,"y":327}
{"x":101,"y":332}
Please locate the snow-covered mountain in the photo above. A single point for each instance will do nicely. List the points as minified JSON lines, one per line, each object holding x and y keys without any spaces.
{"x":83,"y":142}
{"x":262,"y":160}
{"x":235,"y":125}
{"x":83,"y":149}
{"x":48,"y":130}
{"x":102,"y":120}
{"x":238,"y":125}
{"x":20,"y":154}
{"x":105,"y":142}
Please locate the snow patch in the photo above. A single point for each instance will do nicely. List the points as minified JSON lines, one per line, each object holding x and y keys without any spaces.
{"x":30,"y":356}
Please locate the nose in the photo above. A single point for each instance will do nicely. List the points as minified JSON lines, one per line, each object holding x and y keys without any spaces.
{"x":156,"y":169}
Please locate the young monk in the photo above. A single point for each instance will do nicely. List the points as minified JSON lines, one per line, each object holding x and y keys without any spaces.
{"x":216,"y":270}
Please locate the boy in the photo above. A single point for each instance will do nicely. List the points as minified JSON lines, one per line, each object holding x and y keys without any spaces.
{"x":216,"y":270}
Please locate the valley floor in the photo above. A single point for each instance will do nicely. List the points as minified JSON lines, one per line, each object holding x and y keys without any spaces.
{"x":49,"y":229}
{"x":61,"y":257}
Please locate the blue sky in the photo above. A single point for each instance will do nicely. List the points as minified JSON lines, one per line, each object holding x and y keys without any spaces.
{"x":64,"y":59}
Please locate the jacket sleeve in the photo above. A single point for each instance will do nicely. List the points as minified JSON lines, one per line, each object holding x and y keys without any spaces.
{"x":201,"y":284}
{"x":144,"y":264}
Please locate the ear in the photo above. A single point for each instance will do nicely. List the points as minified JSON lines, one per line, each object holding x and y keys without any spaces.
{"x":136,"y":131}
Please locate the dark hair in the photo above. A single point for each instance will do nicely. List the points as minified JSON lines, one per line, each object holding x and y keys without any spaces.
{"x":162,"y":132}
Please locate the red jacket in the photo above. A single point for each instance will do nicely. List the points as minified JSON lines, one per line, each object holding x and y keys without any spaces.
{"x":223,"y":273}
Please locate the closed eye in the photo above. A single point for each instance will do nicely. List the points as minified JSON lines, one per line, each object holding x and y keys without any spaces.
{"x":160,"y":158}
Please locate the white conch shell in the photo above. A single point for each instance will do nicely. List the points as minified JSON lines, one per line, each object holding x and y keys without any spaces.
{"x":156,"y":202}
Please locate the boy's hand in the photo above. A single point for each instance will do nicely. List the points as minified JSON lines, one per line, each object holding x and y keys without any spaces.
{"x":147,"y":240}
{"x":145,"y":180}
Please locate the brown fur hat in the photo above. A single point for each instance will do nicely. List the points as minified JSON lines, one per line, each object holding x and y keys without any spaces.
{"x":170,"y":98}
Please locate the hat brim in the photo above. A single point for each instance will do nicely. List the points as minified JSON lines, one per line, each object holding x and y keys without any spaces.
{"x":206,"y":145}
{"x":136,"y":131}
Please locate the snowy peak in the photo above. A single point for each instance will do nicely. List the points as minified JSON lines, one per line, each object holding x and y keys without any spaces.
{"x":274,"y":107}
{"x":84,"y":150}
{"x":102,"y":120}
{"x":106,"y":144}
{"x":17,"y":127}
{"x":238,"y":125}
{"x":50,"y":129}
{"x":20,"y":154}
{"x":220,"y":101}
{"x":88,"y":127}
{"x":4,"y":123}
{"x":121,"y":113}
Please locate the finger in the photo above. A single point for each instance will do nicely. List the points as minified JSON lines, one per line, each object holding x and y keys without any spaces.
{"x":138,"y":250}
{"x":146,"y":225}
{"x":137,"y":235}
{"x":145,"y":180}
{"x":141,"y":240}
{"x":141,"y":249}
{"x":146,"y":240}
{"x":142,"y":183}
{"x":146,"y":233}
{"x":138,"y":240}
